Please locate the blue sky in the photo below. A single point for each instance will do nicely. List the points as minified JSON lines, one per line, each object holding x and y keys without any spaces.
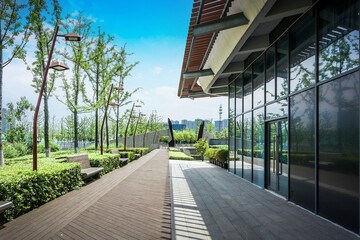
{"x":155,"y":31}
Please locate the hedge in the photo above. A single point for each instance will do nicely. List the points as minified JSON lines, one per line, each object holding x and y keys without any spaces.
{"x":179,"y":156}
{"x":129,"y":155}
{"x":29,"y":189}
{"x":222,"y":155}
{"x":108,"y":161}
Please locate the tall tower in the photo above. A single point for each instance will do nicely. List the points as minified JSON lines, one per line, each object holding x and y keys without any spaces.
{"x":220,"y":117}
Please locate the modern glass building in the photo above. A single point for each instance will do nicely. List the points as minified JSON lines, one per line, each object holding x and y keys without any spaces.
{"x":293,"y":92}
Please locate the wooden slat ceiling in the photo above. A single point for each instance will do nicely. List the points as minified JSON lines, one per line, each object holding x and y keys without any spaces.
{"x":212,"y":10}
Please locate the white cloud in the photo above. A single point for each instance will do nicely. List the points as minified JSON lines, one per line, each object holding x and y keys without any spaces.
{"x":75,"y":13}
{"x":166,"y":91}
{"x":157,"y":70}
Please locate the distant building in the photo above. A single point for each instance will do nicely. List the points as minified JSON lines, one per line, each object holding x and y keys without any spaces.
{"x":5,"y":125}
{"x":178,"y":126}
{"x":221,"y":125}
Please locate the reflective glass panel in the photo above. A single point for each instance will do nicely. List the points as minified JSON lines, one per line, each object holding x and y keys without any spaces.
{"x":302,"y":149}
{"x":239,"y":152}
{"x":258,"y":147}
{"x":339,"y":151}
{"x":232,"y":99}
{"x":338,"y":37}
{"x":231,"y":145}
{"x":302,"y":50}
{"x":247,"y":146}
{"x":258,"y":81}
{"x":282,"y":66}
{"x":239,"y":95}
{"x":270,"y":74}
{"x":247,"y":90}
{"x":277,"y":109}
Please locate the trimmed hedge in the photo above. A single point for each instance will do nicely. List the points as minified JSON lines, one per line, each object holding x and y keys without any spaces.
{"x":29,"y":189}
{"x":222,"y":155}
{"x":179,"y":156}
{"x":109,"y":162}
{"x":129,"y":155}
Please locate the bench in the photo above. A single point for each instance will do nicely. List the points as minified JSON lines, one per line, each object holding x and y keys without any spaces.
{"x":5,"y":205}
{"x":86,"y":170}
{"x":122,"y":161}
{"x":137,"y":155}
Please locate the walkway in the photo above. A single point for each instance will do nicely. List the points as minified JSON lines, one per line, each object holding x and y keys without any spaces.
{"x":132,"y":202}
{"x":209,"y":203}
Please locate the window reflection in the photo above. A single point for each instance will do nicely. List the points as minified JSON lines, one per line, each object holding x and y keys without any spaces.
{"x":302,"y":61}
{"x":270,"y":74}
{"x":302,"y":149}
{"x":239,"y":151}
{"x":247,"y":90}
{"x":339,"y":38}
{"x":247,"y":145}
{"x":231,"y":145}
{"x":276,"y":110}
{"x":232,"y":99}
{"x":282,"y":66}
{"x":239,"y":95}
{"x":258,"y":79}
{"x":258,"y":147}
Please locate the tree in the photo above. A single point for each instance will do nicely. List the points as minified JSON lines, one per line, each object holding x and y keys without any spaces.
{"x":17,"y":119}
{"x":74,"y":88}
{"x":43,"y":35}
{"x":14,"y":34}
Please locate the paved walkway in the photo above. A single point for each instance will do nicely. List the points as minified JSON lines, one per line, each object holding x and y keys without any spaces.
{"x":209,"y":203}
{"x":132,"y":202}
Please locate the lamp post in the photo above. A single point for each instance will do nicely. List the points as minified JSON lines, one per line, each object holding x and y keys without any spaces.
{"x":102,"y":125}
{"x":58,"y":67}
{"x":131,"y":116}
{"x":137,"y":123}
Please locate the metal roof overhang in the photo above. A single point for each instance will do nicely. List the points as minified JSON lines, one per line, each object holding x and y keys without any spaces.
{"x":224,"y":51}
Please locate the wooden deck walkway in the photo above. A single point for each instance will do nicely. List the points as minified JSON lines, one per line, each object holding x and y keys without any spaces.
{"x":132,"y":202}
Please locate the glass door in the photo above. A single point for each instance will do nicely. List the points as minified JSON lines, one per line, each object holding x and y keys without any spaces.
{"x":277,"y":157}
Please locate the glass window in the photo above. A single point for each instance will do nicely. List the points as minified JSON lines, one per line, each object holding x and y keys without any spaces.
{"x":232,"y":99}
{"x":282,"y":66}
{"x":231,"y":145}
{"x":239,"y":151}
{"x":247,"y":146}
{"x":239,"y":95}
{"x":338,"y":37}
{"x":247,"y":90}
{"x":339,"y":151}
{"x":302,"y":149}
{"x":277,"y":109}
{"x":258,"y":147}
{"x":302,"y":50}
{"x":258,"y":81}
{"x":270,"y":74}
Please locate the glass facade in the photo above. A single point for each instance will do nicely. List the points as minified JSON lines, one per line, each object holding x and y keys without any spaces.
{"x":295,"y":114}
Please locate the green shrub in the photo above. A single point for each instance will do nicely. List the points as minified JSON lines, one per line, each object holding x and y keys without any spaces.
{"x":129,"y":155}
{"x":210,"y":153}
{"x":29,"y":189}
{"x":174,"y":149}
{"x":21,"y":149}
{"x":222,"y":155}
{"x":109,"y":162}
{"x":9,"y":151}
{"x":179,"y":156}
{"x":53,"y":147}
{"x":164,"y":139}
{"x":201,"y":146}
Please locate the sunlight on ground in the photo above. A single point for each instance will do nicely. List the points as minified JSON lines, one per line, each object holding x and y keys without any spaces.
{"x":188,"y":222}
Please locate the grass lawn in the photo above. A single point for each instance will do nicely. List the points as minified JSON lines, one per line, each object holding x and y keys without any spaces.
{"x":179,"y":156}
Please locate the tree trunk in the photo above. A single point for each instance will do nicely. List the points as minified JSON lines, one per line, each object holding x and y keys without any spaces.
{"x":107,"y":133}
{"x":75,"y":132}
{"x":1,"y":116}
{"x":46,"y":123}
{"x":117,"y":126}
{"x":97,"y":110}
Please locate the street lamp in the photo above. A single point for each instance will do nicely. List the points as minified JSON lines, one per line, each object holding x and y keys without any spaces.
{"x":58,"y":67}
{"x":107,"y":104}
{"x":131,"y":116}
{"x":137,"y":123}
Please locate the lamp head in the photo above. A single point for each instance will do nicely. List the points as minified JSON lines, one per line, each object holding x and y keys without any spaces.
{"x":72,"y":37}
{"x":58,"y":66}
